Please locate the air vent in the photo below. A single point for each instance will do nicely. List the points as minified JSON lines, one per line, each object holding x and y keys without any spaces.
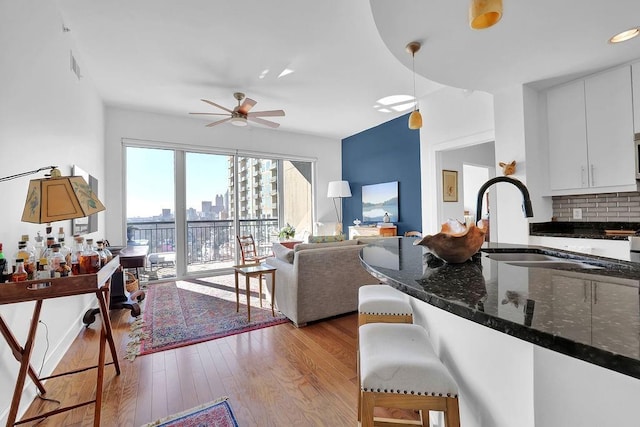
{"x":75,"y":67}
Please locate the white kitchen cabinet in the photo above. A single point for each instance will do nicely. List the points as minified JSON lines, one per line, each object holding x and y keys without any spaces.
{"x":609,"y":112}
{"x":635,"y":79}
{"x":567,"y":136}
{"x":590,"y":125}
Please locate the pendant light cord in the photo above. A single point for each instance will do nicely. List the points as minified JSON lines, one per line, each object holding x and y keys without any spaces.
{"x":413,"y":68}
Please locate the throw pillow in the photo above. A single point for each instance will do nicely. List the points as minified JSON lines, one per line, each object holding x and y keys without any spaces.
{"x":283,"y":253}
{"x":326,"y":239}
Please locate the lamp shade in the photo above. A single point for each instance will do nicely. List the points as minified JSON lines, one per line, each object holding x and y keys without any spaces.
{"x":484,"y":13}
{"x":58,"y":199}
{"x":415,"y":120}
{"x":339,"y":189}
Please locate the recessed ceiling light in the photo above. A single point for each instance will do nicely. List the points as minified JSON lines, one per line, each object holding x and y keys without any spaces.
{"x":263,"y":73}
{"x":625,"y":35}
{"x":285,"y":72}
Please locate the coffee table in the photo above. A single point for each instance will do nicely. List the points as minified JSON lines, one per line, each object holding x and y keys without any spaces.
{"x":249,"y":271}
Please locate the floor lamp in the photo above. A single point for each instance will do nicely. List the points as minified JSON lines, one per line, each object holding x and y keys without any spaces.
{"x":338,"y":190}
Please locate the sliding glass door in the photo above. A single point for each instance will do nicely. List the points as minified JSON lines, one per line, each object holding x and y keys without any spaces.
{"x":151,"y":207}
{"x":220,"y":196}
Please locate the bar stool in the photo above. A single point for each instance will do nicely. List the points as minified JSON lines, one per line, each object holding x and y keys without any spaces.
{"x":382,"y":303}
{"x":398,"y":368}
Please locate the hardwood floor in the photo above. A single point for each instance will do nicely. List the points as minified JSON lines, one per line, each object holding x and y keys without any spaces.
{"x":277,"y":376}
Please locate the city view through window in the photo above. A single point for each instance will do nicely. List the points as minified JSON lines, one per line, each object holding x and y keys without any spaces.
{"x":224,"y":197}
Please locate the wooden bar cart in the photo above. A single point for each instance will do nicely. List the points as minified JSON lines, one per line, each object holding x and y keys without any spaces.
{"x":44,"y":289}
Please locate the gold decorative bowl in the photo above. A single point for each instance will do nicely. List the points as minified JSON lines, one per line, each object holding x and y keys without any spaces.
{"x":456,"y":243}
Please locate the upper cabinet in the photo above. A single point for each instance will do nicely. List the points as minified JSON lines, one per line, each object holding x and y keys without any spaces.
{"x":590,"y":125}
{"x":635,"y":78}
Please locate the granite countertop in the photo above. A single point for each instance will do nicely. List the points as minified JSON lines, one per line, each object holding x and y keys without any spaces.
{"x":587,"y":308}
{"x":583,"y":230}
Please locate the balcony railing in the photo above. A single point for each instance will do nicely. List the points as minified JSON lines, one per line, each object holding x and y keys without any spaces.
{"x":208,"y":241}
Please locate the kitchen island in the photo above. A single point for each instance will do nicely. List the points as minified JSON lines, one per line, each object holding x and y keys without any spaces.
{"x":531,"y":340}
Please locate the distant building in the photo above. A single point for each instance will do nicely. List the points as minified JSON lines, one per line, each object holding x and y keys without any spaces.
{"x":207,"y":211}
{"x":257,"y":187}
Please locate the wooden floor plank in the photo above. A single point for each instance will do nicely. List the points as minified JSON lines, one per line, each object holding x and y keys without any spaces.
{"x":275,"y":376}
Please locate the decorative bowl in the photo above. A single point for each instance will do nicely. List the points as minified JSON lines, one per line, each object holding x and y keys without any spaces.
{"x":456,"y":243}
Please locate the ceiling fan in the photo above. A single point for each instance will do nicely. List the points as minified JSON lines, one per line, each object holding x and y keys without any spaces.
{"x":240,"y":114}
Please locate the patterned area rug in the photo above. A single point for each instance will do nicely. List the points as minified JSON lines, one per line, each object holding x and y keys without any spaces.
{"x":212,"y":414}
{"x":185,"y":312}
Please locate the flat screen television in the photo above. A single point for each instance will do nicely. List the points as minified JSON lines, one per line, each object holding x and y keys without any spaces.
{"x":378,"y":199}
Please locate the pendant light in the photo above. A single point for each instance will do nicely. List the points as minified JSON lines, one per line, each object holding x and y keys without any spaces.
{"x":484,"y":13}
{"x":415,"y":118}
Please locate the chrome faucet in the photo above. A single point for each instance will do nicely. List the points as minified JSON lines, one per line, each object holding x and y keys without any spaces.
{"x":526,"y":201}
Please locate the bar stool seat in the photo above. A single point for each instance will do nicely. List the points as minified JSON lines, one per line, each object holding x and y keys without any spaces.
{"x":382,"y":303}
{"x":398,"y":368}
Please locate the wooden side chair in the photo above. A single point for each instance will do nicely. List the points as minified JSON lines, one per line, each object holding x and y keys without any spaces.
{"x":248,"y":250}
{"x":412,"y":234}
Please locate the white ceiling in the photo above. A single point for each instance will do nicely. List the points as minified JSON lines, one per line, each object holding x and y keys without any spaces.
{"x":164,"y":55}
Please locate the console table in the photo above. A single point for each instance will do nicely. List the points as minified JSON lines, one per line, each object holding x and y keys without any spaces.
{"x":360,"y":231}
{"x":44,"y":289}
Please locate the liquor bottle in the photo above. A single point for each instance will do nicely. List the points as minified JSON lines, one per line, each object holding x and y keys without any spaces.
{"x":55,"y":258}
{"x":5,"y":271}
{"x":47,"y":250}
{"x":89,"y":259}
{"x":43,"y":269}
{"x":39,"y":245}
{"x":105,"y":254}
{"x":76,"y":252}
{"x":63,"y":269}
{"x":64,"y":249}
{"x":20,"y":275}
{"x":31,"y":248}
{"x":28,"y":258}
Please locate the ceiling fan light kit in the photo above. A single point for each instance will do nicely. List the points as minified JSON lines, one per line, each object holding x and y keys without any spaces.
{"x":241,"y":113}
{"x":415,"y":118}
{"x":238,"y":121}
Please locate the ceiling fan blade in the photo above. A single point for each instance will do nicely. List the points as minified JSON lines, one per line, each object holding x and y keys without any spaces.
{"x":271,"y":113}
{"x":263,"y":122}
{"x":216,"y":105}
{"x":246,"y":106}
{"x":212,"y":114}
{"x":218,"y":122}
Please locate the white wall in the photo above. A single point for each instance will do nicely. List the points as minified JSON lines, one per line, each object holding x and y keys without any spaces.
{"x":452,"y":119}
{"x":481,"y":154}
{"x":192,"y":133}
{"x":47,"y":117}
{"x":517,"y":138}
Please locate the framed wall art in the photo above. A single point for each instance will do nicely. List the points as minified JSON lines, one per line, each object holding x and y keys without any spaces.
{"x":449,"y":186}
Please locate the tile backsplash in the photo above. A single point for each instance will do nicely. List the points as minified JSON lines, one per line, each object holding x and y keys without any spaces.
{"x":619,"y":207}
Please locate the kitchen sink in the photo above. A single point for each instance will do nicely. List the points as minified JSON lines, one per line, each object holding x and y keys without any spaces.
{"x":556,"y":263}
{"x":520,"y":256}
{"x":538,"y":260}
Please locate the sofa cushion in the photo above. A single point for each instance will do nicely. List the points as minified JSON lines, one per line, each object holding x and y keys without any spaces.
{"x":326,"y":239}
{"x":302,"y":246}
{"x":282,"y":252}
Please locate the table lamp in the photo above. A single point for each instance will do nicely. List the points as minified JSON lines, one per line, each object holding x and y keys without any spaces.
{"x":57,"y":197}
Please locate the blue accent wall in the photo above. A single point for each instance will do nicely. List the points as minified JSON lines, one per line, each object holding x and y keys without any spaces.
{"x":388,"y":152}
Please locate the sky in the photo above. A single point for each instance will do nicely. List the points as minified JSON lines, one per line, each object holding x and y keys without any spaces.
{"x":150,"y":177}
